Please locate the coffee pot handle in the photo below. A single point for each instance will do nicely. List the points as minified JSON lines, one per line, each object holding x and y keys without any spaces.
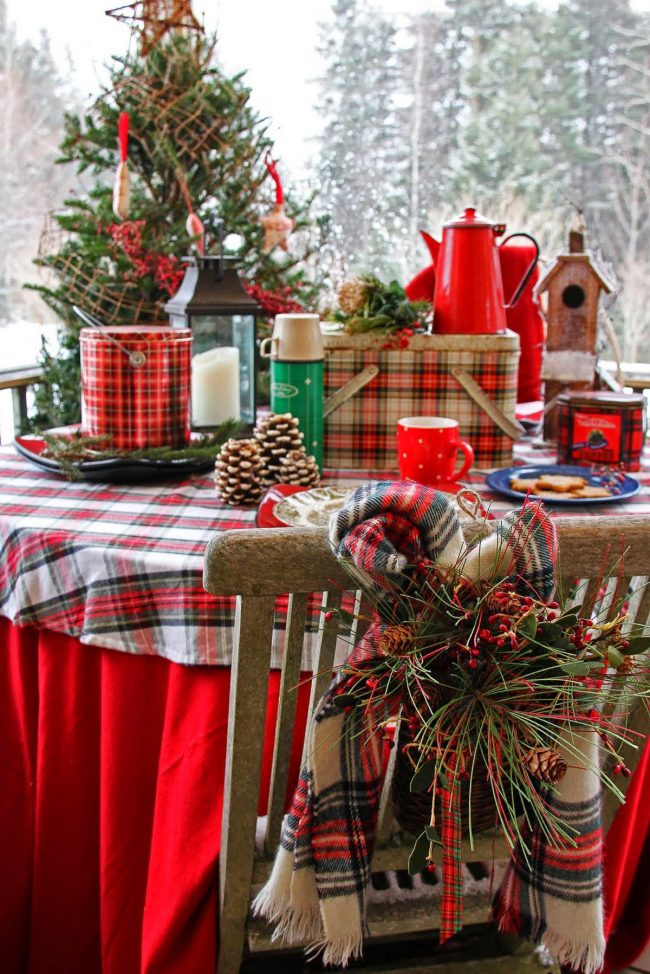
{"x":519,"y":290}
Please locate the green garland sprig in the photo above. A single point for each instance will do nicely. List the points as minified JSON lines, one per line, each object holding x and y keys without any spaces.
{"x":384,"y":306}
{"x":72,"y":449}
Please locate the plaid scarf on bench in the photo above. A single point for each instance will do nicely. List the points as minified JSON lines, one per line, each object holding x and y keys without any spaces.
{"x":317,"y":889}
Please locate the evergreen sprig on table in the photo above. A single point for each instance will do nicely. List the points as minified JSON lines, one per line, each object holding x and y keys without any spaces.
{"x":366,"y":304}
{"x":71,"y":449}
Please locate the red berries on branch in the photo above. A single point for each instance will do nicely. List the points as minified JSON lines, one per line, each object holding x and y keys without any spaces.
{"x":165,"y":270}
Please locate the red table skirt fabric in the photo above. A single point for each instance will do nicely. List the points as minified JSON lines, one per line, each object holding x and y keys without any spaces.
{"x":111,"y":787}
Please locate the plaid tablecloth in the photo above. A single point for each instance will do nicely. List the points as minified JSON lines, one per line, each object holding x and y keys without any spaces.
{"x":121,"y":566}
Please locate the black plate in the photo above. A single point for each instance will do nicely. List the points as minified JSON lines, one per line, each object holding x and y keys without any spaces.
{"x":115,"y":470}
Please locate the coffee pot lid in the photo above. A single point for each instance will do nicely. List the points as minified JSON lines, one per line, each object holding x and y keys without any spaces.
{"x":469,"y":219}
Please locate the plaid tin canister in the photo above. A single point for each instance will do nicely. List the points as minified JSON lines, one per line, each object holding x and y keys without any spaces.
{"x":135,"y":384}
{"x":601,"y":428}
{"x":418,"y":381}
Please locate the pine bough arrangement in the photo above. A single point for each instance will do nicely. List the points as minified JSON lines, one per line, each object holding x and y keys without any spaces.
{"x":504,"y":697}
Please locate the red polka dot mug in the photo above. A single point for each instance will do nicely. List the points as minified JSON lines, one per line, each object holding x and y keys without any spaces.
{"x":427,"y":448}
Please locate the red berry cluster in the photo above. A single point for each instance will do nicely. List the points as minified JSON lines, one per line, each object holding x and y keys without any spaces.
{"x":398,"y":340}
{"x":165,"y":270}
{"x":278,"y":301}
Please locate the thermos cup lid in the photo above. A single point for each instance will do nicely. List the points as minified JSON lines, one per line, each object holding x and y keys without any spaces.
{"x":297,"y":338}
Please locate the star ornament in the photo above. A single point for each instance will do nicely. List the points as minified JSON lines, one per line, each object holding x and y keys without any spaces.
{"x":277,"y":229}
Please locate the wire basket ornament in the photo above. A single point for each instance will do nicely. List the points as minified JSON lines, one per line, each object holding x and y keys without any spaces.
{"x":157,"y":18}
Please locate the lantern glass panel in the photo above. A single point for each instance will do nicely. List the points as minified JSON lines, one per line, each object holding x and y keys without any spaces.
{"x":216,"y":375}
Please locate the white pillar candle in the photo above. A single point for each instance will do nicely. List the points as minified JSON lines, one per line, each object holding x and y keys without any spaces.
{"x":215,"y":386}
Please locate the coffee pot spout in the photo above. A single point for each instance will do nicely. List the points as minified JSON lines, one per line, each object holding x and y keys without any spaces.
{"x":433,"y":245}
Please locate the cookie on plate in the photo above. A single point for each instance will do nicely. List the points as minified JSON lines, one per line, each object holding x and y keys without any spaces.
{"x":523,"y":484}
{"x":590,"y":490}
{"x":551,"y":495}
{"x":560,"y":483}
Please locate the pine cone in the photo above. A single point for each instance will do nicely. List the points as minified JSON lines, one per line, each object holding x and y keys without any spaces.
{"x":352,"y":296}
{"x":238,"y":472}
{"x":298,"y":468}
{"x":277,"y":435}
{"x":545,"y":764}
{"x":507,"y":602}
{"x":626,"y":667}
{"x":396,"y":640}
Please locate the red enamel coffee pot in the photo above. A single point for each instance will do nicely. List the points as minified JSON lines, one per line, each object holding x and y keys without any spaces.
{"x":468,"y":296}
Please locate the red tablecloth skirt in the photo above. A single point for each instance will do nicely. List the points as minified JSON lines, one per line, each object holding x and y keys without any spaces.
{"x":111,"y":787}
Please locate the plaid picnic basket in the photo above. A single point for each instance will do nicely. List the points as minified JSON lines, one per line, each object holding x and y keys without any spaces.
{"x":142,"y":401}
{"x":417,"y":381}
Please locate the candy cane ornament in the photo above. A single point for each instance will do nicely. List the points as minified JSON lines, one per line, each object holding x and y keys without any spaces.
{"x":277,"y":225}
{"x":121,"y":191}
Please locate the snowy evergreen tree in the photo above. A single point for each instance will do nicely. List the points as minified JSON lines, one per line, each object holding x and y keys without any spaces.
{"x":429,"y":122}
{"x":501,"y":73}
{"x":585,"y":82}
{"x":33,"y":100}
{"x":627,"y":166}
{"x":362,"y":158}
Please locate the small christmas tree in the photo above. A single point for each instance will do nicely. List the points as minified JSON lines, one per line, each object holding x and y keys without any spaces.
{"x":195,"y":142}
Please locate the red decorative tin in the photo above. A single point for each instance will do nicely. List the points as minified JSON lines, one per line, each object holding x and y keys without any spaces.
{"x":135,"y":385}
{"x":601,"y":427}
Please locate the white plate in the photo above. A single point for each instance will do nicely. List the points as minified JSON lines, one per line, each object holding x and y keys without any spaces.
{"x":312,"y":508}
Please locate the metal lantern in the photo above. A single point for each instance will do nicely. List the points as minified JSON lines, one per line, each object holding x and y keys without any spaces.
{"x":223,"y":319}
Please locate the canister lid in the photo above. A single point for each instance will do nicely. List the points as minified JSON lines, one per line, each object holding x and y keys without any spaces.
{"x":135,"y":333}
{"x":587,"y":397}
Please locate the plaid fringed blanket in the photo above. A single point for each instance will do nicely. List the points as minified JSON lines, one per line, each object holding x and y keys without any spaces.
{"x":317,"y":889}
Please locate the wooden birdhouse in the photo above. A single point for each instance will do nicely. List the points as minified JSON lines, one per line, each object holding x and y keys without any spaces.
{"x":572,"y":284}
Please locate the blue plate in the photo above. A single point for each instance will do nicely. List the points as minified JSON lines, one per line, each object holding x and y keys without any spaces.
{"x":499,"y":481}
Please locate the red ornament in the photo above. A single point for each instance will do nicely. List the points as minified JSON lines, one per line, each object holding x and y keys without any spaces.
{"x":121,"y":191}
{"x":277,"y":225}
{"x":193,"y":224}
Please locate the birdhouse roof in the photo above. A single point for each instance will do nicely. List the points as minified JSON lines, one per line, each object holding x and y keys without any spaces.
{"x":560,"y":262}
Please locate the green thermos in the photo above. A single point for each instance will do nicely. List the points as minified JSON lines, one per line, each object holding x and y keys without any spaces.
{"x":297,"y":354}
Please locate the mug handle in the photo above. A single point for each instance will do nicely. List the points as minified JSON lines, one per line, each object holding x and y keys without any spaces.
{"x":265,"y":343}
{"x":468,"y":452}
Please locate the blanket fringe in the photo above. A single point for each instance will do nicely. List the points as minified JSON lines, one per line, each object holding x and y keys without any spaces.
{"x":337,"y":951}
{"x":270,"y":902}
{"x":298,"y":926}
{"x":291,"y":925}
{"x":584,"y":957}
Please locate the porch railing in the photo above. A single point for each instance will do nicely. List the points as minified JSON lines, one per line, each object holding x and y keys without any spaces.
{"x":18,"y":380}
